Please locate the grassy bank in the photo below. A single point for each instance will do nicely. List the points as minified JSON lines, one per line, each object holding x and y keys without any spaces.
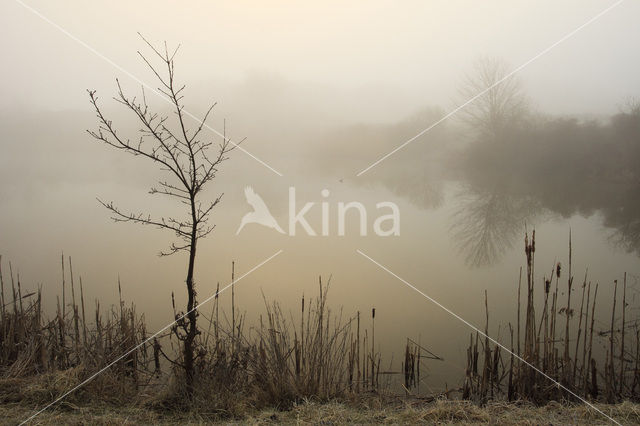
{"x":335,"y":413}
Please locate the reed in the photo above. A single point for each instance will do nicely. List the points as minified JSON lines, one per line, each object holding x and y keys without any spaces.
{"x":56,"y":351}
{"x":321,"y":355}
{"x":576,"y":370}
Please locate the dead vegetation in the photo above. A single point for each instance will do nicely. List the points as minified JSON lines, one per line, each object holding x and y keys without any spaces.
{"x":276,"y":363}
{"x":317,"y":355}
{"x":70,"y":347}
{"x":556,"y":337}
{"x":280,"y":361}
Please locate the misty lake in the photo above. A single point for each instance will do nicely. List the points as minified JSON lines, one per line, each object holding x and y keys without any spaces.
{"x":464,"y":200}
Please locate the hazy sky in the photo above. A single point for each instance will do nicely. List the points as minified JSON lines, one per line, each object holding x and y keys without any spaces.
{"x":414,"y":50}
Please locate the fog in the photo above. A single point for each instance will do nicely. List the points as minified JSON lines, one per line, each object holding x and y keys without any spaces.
{"x":320,"y":92}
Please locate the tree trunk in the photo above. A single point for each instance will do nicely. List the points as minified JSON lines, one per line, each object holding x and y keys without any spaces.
{"x":191,"y":312}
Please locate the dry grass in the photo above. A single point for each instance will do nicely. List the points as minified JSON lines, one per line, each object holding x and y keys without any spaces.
{"x":41,"y":358}
{"x":277,"y":363}
{"x":283,"y":362}
{"x":558,"y":339}
{"x":336,"y":413}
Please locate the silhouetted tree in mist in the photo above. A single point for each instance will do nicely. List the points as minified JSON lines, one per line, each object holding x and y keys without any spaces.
{"x":189,"y":163}
{"x":563,"y":166}
{"x":503,"y":104}
{"x":488,"y":217}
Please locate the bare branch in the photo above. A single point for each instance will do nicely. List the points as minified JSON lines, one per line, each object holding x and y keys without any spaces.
{"x":202,"y":214}
{"x":112,"y":138}
{"x":203,"y":121}
{"x":173,"y":249}
{"x":140,"y":218}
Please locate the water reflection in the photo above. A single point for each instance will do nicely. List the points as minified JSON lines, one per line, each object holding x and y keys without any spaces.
{"x":565,"y":167}
{"x":486,"y":223}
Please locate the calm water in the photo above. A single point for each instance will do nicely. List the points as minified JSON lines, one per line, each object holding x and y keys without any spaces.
{"x":462,"y":226}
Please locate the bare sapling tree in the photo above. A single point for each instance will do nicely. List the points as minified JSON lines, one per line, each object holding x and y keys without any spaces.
{"x":188,"y":161}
